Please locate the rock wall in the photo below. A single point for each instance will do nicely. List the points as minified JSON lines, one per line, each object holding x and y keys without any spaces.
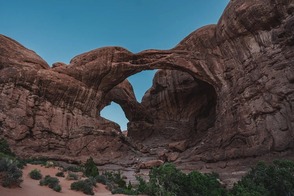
{"x":245,"y":62}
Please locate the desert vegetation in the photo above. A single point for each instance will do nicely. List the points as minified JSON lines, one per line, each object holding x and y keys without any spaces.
{"x":10,"y":166}
{"x":269,"y":179}
{"x":86,"y":186}
{"x":10,"y":174}
{"x":60,"y":174}
{"x":36,"y":174}
{"x":51,"y":182}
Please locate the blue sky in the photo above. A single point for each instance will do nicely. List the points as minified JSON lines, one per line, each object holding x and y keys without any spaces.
{"x":58,"y":30}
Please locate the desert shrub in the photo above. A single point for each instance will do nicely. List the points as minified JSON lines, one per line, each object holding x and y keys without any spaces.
{"x":168,"y":180}
{"x":90,"y":168}
{"x":10,"y":173}
{"x":5,"y":156}
{"x":72,"y":176}
{"x":101,"y":179}
{"x":116,"y":183}
{"x":115,"y":178}
{"x":20,"y":163}
{"x":128,"y":190}
{"x":37,"y":161}
{"x":276,"y":179}
{"x":49,"y":181}
{"x":125,"y":191}
{"x":57,"y":188}
{"x":202,"y":184}
{"x":91,"y":181}
{"x":73,"y":168}
{"x":85,"y":186}
{"x":4,"y":148}
{"x":142,"y":186}
{"x":35,"y":174}
{"x":49,"y":164}
{"x":165,"y":180}
{"x":60,"y":174}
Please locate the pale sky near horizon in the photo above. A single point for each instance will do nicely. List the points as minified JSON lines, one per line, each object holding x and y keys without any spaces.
{"x":58,"y":30}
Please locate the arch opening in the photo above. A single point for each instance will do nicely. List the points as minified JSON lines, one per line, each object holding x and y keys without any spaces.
{"x":141,"y":83}
{"x":115,"y":113}
{"x":177,"y":107}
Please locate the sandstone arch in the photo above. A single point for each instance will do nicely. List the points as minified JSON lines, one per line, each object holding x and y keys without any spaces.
{"x":247,"y":58}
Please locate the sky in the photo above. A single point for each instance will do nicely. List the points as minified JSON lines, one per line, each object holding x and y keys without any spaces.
{"x":58,"y":30}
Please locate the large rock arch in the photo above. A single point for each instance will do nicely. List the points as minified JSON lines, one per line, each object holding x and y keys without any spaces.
{"x":247,"y":58}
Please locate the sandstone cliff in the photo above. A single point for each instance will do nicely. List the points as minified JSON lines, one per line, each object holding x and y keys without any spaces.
{"x":226,"y":91}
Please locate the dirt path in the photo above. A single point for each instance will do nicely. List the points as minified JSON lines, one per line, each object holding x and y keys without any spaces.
{"x":30,"y":187}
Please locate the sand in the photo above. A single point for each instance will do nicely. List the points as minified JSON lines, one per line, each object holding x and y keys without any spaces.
{"x":30,"y":187}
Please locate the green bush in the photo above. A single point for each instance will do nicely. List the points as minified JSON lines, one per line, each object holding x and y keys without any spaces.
{"x":91,"y":181}
{"x":168,"y":180}
{"x":85,"y":186}
{"x":101,"y":179}
{"x":57,"y":188}
{"x":124,"y":191}
{"x":35,"y":174}
{"x":10,"y":173}
{"x":60,"y":174}
{"x":73,"y":168}
{"x":128,"y":190}
{"x":115,"y":178}
{"x":91,"y":168}
{"x":49,"y":181}
{"x":21,"y":163}
{"x":275,"y":179}
{"x":115,"y":183}
{"x":37,"y":161}
{"x":202,"y":184}
{"x":72,"y":176}
{"x":4,"y":148}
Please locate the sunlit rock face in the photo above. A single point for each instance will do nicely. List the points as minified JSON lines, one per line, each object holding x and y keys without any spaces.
{"x":226,"y":91}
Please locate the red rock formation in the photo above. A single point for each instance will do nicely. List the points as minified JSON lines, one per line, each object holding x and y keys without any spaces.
{"x":44,"y":113}
{"x":238,"y":100}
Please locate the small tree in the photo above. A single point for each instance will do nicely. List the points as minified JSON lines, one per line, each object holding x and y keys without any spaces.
{"x":91,"y":169}
{"x":274,"y":179}
{"x":4,"y":147}
{"x":10,"y":174}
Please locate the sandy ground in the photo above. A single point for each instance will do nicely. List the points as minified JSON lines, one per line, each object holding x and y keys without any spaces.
{"x":30,"y":187}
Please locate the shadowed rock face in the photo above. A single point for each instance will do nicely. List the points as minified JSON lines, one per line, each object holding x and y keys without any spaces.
{"x":232,"y":95}
{"x":180,"y":106}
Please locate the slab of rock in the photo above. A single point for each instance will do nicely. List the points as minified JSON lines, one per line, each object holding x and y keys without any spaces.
{"x":150,"y":164}
{"x":178,"y":146}
{"x":173,"y":156}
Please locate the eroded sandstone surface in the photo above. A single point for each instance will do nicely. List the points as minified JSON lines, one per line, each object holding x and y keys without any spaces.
{"x":225,"y":92}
